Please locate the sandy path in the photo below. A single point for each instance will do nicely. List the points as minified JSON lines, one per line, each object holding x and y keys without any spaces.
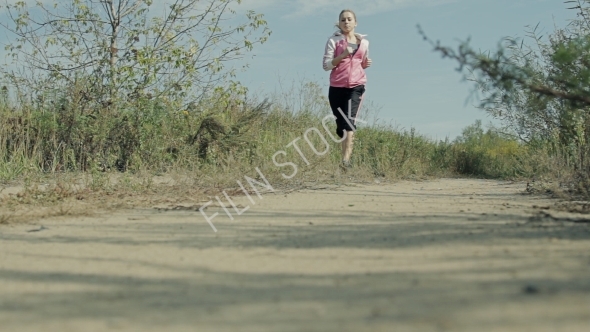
{"x":444,"y":255}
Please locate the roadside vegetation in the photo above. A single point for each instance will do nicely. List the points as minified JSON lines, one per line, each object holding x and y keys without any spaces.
{"x":229,"y":136}
{"x":539,"y":87}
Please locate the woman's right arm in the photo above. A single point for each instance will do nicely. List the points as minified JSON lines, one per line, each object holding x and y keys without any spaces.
{"x":341,"y":57}
{"x":330,"y":62}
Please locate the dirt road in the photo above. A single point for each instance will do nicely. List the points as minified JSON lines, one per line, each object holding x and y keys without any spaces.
{"x":442,"y":255}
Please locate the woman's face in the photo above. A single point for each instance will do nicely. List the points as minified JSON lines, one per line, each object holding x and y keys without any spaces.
{"x":347,"y":22}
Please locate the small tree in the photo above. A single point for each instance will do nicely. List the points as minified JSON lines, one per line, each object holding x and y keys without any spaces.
{"x":541,"y":90}
{"x":117,"y":50}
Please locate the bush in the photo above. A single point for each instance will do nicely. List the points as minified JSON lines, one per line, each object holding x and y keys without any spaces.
{"x":227,"y":135}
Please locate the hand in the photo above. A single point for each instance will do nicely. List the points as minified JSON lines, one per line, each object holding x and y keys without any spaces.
{"x":341,"y":57}
{"x":368,"y":63}
{"x":345,"y":53}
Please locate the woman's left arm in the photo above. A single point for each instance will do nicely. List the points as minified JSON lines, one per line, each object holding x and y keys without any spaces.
{"x":367,"y":62}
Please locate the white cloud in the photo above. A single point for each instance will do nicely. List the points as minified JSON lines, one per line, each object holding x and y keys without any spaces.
{"x":365,"y":7}
{"x":255,"y":4}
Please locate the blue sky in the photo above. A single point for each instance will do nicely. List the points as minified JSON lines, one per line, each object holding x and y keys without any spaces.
{"x":409,"y":85}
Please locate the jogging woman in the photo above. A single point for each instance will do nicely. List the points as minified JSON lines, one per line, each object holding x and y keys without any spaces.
{"x":347,"y":56}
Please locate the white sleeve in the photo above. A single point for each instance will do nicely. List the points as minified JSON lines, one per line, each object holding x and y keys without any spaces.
{"x":329,"y":55}
{"x":367,"y":52}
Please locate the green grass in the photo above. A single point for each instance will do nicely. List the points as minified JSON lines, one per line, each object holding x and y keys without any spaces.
{"x":227,"y":136}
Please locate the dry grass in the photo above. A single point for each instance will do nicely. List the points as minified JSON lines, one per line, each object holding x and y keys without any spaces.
{"x":154,"y":154}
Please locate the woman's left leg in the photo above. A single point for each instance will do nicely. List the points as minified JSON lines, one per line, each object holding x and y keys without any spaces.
{"x":356,"y":99}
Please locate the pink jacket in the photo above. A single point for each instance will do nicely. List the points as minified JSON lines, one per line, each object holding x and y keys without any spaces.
{"x":350,"y":72}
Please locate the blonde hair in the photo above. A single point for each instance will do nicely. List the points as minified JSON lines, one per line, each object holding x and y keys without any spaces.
{"x":340,"y":16}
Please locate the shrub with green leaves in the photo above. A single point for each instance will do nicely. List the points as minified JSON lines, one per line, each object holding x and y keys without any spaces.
{"x":539,"y":87}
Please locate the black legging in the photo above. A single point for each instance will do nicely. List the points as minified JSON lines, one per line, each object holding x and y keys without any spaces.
{"x":345,"y":98}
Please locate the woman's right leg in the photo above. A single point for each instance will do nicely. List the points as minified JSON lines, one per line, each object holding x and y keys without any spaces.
{"x":337,"y":98}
